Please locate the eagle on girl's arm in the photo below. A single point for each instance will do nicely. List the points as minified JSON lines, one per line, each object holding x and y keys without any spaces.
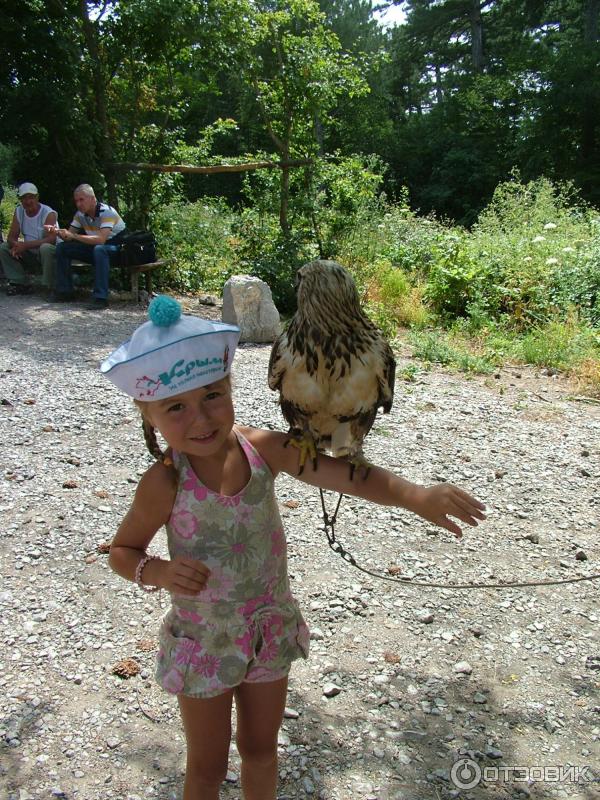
{"x":332,"y":367}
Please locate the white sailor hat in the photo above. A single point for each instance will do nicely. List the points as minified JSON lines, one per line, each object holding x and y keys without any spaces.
{"x":171,"y":354}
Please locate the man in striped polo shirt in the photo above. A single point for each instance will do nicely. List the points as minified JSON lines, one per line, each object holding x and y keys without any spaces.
{"x":92,"y":237}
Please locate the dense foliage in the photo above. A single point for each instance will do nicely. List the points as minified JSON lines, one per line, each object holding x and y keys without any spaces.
{"x":452,"y":161}
{"x":451,"y":100}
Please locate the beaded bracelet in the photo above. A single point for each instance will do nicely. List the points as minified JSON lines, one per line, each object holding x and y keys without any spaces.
{"x":138,"y":574}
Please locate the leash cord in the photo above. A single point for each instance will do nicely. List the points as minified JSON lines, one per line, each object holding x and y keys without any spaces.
{"x":337,"y":547}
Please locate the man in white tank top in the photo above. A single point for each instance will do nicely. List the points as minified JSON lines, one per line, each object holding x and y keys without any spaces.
{"x":36,"y":246}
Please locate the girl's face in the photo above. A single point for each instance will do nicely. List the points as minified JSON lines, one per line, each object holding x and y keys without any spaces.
{"x":197,"y":422}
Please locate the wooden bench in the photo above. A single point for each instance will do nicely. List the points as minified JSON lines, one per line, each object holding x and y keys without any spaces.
{"x":134,"y":274}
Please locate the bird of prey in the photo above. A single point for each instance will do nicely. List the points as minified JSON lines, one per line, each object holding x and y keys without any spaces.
{"x":332,"y":367}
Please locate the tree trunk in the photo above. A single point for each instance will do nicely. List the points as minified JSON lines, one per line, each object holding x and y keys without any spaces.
{"x":284,"y":197}
{"x":318,"y":128}
{"x":99,"y":87}
{"x":476,"y":36}
{"x":591,"y":108}
{"x":439,"y":92}
{"x":590,"y":22}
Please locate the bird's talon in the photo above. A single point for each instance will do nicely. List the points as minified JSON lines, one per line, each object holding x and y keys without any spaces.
{"x":360,"y":463}
{"x":306,"y":446}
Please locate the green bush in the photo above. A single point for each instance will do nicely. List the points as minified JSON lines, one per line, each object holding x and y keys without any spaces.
{"x":264,"y":251}
{"x":328,"y":202}
{"x":380,"y":315}
{"x":540,"y":245}
{"x":574,"y":281}
{"x":394,"y":234}
{"x":343,"y":195}
{"x":432,"y":347}
{"x":9,"y":154}
{"x":7,"y":209}
{"x":409,"y":242}
{"x":198,"y":240}
{"x":457,"y":279}
{"x":394,"y":299}
{"x":393,"y":285}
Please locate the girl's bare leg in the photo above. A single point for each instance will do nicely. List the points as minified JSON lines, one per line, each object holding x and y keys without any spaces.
{"x":207,"y":726}
{"x":260,"y":709}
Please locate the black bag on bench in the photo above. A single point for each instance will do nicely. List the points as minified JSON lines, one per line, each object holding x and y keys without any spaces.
{"x":137,"y":247}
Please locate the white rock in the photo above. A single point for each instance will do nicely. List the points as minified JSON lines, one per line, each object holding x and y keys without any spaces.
{"x":283,"y":739}
{"x":248,"y":303}
{"x":462,"y":668}
{"x":424,"y":616}
{"x":380,"y":680}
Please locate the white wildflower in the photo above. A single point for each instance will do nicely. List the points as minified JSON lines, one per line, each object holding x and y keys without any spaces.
{"x":537,"y":239}
{"x":528,"y":258}
{"x":551,"y":261}
{"x":568,"y":249}
{"x":549,"y":226}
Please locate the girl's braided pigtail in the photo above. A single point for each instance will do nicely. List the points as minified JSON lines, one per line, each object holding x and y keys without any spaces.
{"x":152,"y":444}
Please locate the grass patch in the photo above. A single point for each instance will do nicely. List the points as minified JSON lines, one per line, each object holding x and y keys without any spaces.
{"x":408,"y":373}
{"x":440,"y":347}
{"x":586,"y":375}
{"x":559,"y":345}
{"x":570,"y":347}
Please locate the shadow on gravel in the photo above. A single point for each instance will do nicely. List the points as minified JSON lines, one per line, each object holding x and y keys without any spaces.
{"x":414,"y":755}
{"x":55,"y":333}
{"x":160,"y":762}
{"x":20,"y":726}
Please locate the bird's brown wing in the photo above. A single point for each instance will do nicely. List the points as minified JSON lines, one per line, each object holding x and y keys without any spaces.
{"x":386,"y":396}
{"x":276,"y":366}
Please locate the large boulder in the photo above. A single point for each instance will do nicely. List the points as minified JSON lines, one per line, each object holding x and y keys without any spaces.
{"x":248,"y":303}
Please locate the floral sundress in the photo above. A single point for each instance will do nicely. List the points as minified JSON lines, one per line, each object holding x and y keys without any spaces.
{"x":245,"y":625}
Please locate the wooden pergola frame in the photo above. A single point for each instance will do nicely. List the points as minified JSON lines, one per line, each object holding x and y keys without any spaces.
{"x":216,"y":168}
{"x":284,"y":166}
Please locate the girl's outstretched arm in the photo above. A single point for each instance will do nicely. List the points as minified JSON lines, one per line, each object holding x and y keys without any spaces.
{"x":150,"y":510}
{"x":434,"y":503}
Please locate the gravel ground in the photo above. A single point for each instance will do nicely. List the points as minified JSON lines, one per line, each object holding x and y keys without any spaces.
{"x":417,"y":678}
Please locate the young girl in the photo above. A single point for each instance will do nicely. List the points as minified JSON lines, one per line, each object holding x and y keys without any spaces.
{"x":234,"y":627}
